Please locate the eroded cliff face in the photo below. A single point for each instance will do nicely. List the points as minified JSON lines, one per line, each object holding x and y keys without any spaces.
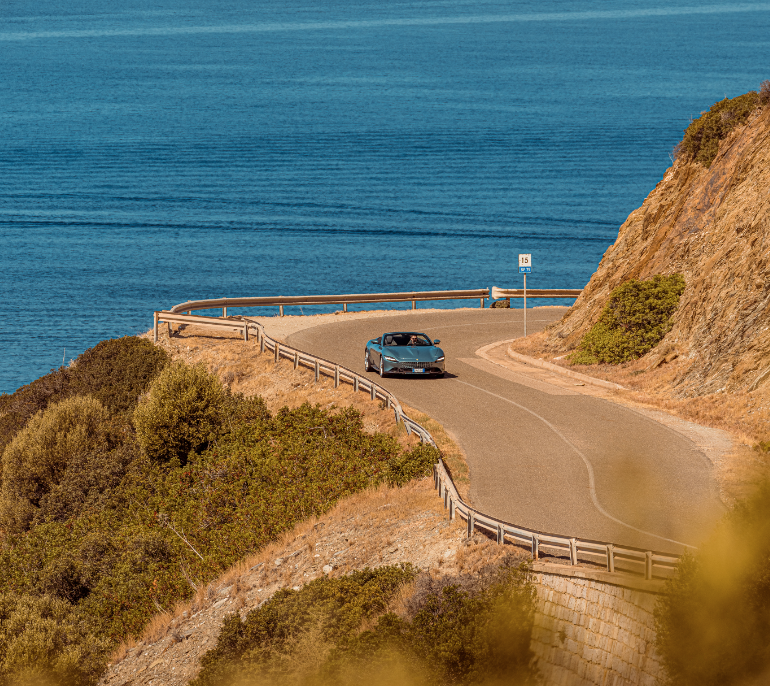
{"x":713,"y":227}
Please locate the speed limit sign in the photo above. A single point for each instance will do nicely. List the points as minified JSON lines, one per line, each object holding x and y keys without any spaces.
{"x":525,"y":264}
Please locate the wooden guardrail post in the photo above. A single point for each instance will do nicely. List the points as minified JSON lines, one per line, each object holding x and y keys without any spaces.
{"x":336,"y":376}
{"x":170,"y":329}
{"x":155,"y":326}
{"x":261,"y":342}
{"x":344,"y":307}
{"x":471,"y":524}
{"x":451,"y":508}
{"x":317,"y":371}
{"x":648,"y":565}
{"x":414,"y":304}
{"x":296,"y":360}
{"x":374,"y":391}
{"x":355,"y":384}
{"x":500,"y":534}
{"x":610,"y":557}
{"x":224,"y":311}
{"x":246,"y":333}
{"x":277,"y":351}
{"x":481,"y":302}
{"x":280,"y":310}
{"x":535,"y":547}
{"x":573,"y":551}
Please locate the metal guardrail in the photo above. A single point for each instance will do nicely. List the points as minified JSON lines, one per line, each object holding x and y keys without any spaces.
{"x":614,"y":557}
{"x":283,"y":300}
{"x":499,"y":293}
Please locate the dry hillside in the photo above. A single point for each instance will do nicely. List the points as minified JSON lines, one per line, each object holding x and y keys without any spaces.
{"x":712,"y":225}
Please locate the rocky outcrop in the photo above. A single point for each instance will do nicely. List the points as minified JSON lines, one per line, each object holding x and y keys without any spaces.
{"x":712,"y":225}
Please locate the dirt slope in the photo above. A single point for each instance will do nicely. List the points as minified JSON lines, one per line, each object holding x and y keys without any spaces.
{"x":712,"y":225}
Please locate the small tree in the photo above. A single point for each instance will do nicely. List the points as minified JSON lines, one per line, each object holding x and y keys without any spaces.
{"x":182,"y":413}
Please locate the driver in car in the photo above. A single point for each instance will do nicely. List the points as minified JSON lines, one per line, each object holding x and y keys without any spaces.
{"x":413,"y":340}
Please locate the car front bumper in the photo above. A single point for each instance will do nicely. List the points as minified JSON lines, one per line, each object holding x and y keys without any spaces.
{"x":413,"y":368}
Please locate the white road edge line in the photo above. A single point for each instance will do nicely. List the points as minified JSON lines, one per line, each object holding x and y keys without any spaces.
{"x":589,"y":467}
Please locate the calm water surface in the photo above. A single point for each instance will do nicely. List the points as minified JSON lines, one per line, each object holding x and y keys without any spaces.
{"x":154,"y":152}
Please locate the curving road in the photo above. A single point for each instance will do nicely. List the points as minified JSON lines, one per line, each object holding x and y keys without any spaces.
{"x":540,"y":455}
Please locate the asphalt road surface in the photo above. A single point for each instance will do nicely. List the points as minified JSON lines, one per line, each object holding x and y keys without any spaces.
{"x":542,"y":456}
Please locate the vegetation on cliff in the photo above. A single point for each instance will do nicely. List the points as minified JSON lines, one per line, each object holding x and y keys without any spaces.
{"x":713,"y":623}
{"x":634,"y":320}
{"x":104,"y":525}
{"x":344,"y":631}
{"x":702,"y":136}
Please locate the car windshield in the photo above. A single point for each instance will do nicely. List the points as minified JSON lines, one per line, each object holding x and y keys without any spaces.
{"x":396,"y":339}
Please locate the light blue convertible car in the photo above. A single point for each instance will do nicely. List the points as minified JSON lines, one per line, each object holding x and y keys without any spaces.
{"x":404,"y":352}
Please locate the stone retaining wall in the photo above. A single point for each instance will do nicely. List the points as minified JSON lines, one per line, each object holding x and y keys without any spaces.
{"x":595,"y":628}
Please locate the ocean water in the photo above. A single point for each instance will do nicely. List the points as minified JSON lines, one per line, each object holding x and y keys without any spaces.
{"x":155,"y":152}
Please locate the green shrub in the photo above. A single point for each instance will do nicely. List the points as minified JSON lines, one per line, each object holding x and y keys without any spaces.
{"x":260,"y":645}
{"x":184,"y":411}
{"x":505,"y":303}
{"x":634,"y":320}
{"x":472,"y":631}
{"x":115,"y":372}
{"x":44,"y":641}
{"x":37,"y":457}
{"x":119,"y":534}
{"x":713,"y":622}
{"x":702,"y":136}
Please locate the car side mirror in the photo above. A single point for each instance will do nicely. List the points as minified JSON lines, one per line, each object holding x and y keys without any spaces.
{"x":436,"y":342}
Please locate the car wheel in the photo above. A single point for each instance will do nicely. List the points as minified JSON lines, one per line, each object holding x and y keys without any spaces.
{"x":382,"y":367}
{"x":367,"y":364}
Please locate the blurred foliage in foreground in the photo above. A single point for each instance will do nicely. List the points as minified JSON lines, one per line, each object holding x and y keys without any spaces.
{"x":473,"y":630}
{"x":713,"y":623}
{"x":634,"y":320}
{"x":105,"y":524}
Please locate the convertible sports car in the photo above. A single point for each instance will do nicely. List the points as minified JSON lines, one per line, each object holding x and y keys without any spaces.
{"x":404,"y":352}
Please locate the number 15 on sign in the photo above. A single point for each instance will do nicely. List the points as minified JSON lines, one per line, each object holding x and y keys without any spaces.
{"x":525,"y":267}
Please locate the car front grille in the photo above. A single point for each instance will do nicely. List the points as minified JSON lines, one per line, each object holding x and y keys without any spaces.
{"x":416,"y":365}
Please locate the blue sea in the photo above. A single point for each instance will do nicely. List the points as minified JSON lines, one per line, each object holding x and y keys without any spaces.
{"x":157,"y":151}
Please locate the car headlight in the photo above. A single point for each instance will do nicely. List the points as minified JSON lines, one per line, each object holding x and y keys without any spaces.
{"x":440,"y":359}
{"x":390,"y":359}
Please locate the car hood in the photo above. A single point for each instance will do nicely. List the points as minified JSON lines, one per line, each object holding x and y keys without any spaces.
{"x":413,"y":353}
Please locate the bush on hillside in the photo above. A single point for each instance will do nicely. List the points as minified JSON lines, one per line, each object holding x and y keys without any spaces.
{"x":184,"y":411}
{"x":115,"y":372}
{"x":465,"y":631}
{"x":634,"y":320}
{"x":90,"y":480}
{"x":713,"y":622}
{"x":505,"y":303}
{"x":43,"y":641}
{"x":702,"y":136}
{"x":36,"y":459}
{"x":158,"y":528}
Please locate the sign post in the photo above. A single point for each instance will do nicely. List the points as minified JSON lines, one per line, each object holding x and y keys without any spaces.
{"x":525,"y":267}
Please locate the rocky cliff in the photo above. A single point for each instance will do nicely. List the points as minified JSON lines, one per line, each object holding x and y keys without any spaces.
{"x":712,"y":225}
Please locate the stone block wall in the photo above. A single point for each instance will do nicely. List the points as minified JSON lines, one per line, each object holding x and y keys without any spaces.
{"x":595,"y":628}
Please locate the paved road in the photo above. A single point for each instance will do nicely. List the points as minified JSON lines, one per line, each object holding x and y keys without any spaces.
{"x":539,"y":455}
